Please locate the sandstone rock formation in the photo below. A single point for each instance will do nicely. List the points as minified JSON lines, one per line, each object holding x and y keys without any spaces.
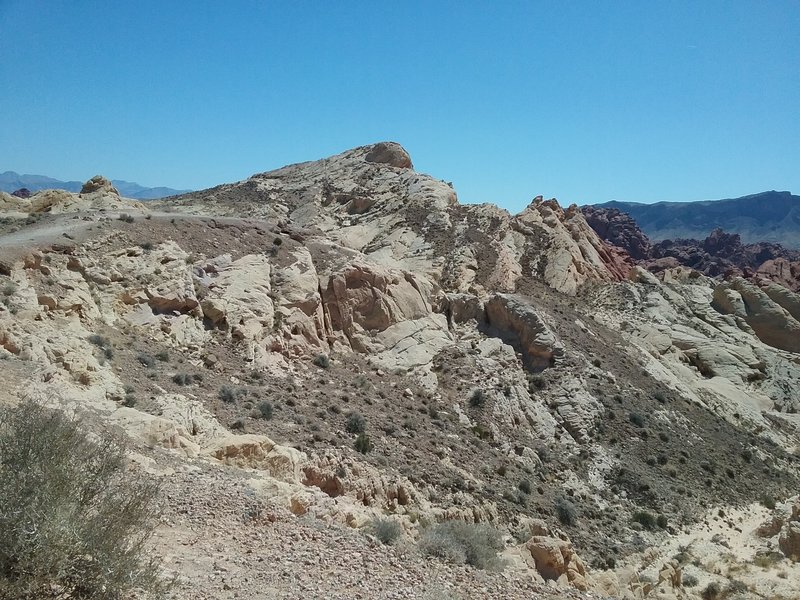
{"x":347,"y":342}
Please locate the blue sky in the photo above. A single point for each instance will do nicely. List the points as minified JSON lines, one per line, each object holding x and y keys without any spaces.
{"x":585,"y":101}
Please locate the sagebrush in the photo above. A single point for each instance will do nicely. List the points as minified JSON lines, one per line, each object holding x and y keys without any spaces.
{"x":459,"y":542}
{"x":73,"y":523}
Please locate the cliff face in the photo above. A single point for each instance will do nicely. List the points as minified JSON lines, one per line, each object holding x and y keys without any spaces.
{"x":503,"y":367}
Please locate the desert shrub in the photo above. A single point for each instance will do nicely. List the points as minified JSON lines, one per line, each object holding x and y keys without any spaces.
{"x":388,"y":531}
{"x":689,"y":580}
{"x":735,"y":587}
{"x":356,"y":423}
{"x":768,"y":501}
{"x":536,"y":382}
{"x":265,"y":410}
{"x":636,"y":419}
{"x":363,"y":444}
{"x":477,"y":398}
{"x":163,"y":356}
{"x":711,"y":592}
{"x":322,"y":361}
{"x":99,"y":340}
{"x":146,"y":246}
{"x":228,"y":393}
{"x":74,"y":523}
{"x":182,"y":379}
{"x":645,"y":519}
{"x":9,"y":289}
{"x":566,"y":511}
{"x":148,"y":360}
{"x":662,"y":521}
{"x":126,"y":218}
{"x":475,"y":544}
{"x":524,"y":486}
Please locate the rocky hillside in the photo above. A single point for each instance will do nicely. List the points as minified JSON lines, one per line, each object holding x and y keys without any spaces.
{"x":306,"y":354}
{"x":719,"y":254}
{"x":765,"y":217}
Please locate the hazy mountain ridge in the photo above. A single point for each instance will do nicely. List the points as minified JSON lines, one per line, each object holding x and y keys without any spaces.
{"x":765,"y":217}
{"x":11,"y":181}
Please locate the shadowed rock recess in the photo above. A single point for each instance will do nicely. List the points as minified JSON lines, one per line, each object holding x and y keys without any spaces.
{"x":305,"y":354}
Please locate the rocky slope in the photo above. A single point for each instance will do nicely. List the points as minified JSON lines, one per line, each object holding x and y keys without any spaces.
{"x":719,"y":254}
{"x":507,"y":369}
{"x":766,"y":217}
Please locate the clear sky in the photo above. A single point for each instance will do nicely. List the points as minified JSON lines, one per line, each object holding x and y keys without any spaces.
{"x":585,"y":101}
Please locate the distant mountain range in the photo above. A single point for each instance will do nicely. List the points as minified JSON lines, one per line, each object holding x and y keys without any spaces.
{"x":11,"y":181}
{"x":765,"y":217}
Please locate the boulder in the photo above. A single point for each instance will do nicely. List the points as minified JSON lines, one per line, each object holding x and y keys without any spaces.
{"x":556,"y":560}
{"x":98,"y":183}
{"x":258,"y":452}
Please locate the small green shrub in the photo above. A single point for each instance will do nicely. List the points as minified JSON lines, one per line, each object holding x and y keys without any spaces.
{"x":265,"y":410}
{"x":74,"y":522}
{"x":163,"y":356}
{"x":148,"y":360}
{"x":147,"y":246}
{"x":356,"y":423}
{"x":689,"y":580}
{"x":322,"y":361}
{"x":524,"y":486}
{"x":99,"y":340}
{"x":228,"y":393}
{"x":363,"y":444}
{"x":477,"y":398}
{"x":566,"y":511}
{"x":126,"y":218}
{"x":711,"y":592}
{"x":9,"y":289}
{"x":182,"y":379}
{"x":636,"y":419}
{"x":662,"y":521}
{"x":768,"y":501}
{"x":645,"y":519}
{"x":388,"y":531}
{"x":458,"y":542}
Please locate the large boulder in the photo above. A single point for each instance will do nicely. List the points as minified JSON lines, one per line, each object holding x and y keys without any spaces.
{"x":556,"y":560}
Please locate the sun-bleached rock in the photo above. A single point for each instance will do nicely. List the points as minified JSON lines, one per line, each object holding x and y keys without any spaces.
{"x":556,"y":560}
{"x":773,"y":324}
{"x":258,"y":452}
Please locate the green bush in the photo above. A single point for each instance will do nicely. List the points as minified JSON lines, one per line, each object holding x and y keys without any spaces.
{"x":356,"y":423}
{"x":228,"y":393}
{"x":148,"y":360}
{"x":388,"y":531}
{"x":73,"y":523}
{"x":322,"y":361}
{"x":711,"y":592}
{"x":566,"y":511}
{"x":475,"y":544}
{"x":690,"y":580}
{"x":768,"y":501}
{"x":477,"y":398}
{"x":363,"y":444}
{"x":265,"y":410}
{"x":182,"y":379}
{"x":645,"y":519}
